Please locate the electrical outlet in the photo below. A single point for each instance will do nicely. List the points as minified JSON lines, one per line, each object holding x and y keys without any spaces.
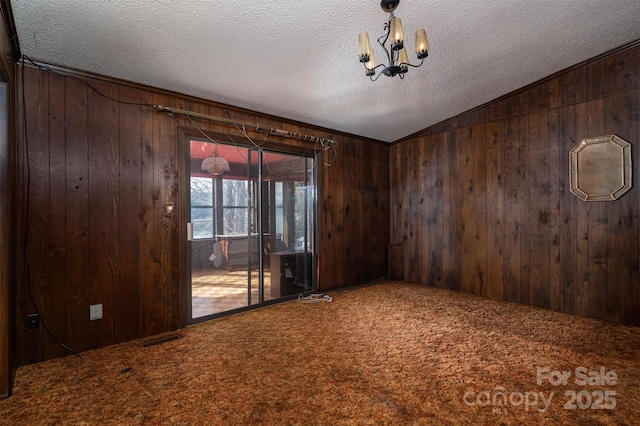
{"x":95,"y":312}
{"x":33,"y":321}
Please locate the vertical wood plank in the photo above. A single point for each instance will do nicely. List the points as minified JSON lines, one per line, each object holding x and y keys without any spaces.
{"x":598,"y":265}
{"x":435,"y":215}
{"x":495,"y":209}
{"x":511,"y":106}
{"x":423,"y":254}
{"x":450,"y":276}
{"x":621,"y":72}
{"x":149,"y":261}
{"x":446,"y":267}
{"x":582,"y":227}
{"x":402,"y":175}
{"x":421,"y":234}
{"x":349,"y":218}
{"x":567,"y":88}
{"x":104,"y":206}
{"x":557,"y":167}
{"x":58,"y":203}
{"x":556,"y":207}
{"x":337,"y":187}
{"x":566,"y":141}
{"x":596,"y":80}
{"x":413,"y":215}
{"x":328,"y":219}
{"x":379,"y":203}
{"x":512,"y":201}
{"x":365,"y":223}
{"x":21,"y":224}
{"x":537,"y":99}
{"x":400,"y":235}
{"x":480,"y":284}
{"x":468,"y":211}
{"x":353,"y":223}
{"x":554,"y":93}
{"x":525,"y":194}
{"x":369,"y":211}
{"x":127,"y":301}
{"x":459,"y":193}
{"x":413,"y":241}
{"x":181,"y":304}
{"x":165,"y":190}
{"x":174,"y":190}
{"x":622,"y":229}
{"x":37,"y":162}
{"x":77,"y":213}
{"x":539,"y":210}
{"x":396,"y":248}
{"x":395,"y":195}
{"x":366,"y":187}
{"x":582,"y":84}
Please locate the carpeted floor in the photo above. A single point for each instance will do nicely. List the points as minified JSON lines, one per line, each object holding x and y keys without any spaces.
{"x":387,"y":354}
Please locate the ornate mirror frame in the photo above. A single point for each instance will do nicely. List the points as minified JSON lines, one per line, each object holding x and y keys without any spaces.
{"x":600,"y":168}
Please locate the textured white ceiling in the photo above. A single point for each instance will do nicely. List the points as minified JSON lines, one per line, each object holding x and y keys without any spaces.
{"x":298,"y":59}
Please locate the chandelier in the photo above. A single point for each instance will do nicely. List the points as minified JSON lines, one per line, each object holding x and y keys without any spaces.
{"x":397,"y":57}
{"x":215,"y":165}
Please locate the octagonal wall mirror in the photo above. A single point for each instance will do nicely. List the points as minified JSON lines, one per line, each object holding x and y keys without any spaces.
{"x":600,"y":168}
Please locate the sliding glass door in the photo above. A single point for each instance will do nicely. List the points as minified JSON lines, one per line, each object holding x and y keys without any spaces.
{"x":251,"y":227}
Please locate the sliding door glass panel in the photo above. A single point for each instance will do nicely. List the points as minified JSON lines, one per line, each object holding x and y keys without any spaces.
{"x":219,"y":220}
{"x":252,"y":228}
{"x":289,"y":205}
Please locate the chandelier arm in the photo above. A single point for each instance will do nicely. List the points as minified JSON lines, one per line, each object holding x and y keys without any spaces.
{"x":377,"y":77}
{"x":376,"y":67}
{"x":411,"y":65}
{"x":389,"y":58}
{"x":387,"y":27}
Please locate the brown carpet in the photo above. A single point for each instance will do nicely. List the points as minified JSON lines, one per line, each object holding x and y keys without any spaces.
{"x":388,"y":354}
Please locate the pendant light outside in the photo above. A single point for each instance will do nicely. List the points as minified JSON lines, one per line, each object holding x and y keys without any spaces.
{"x":215,"y":165}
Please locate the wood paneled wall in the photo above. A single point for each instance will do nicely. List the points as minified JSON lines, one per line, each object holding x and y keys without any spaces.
{"x":481,"y":203}
{"x":7,"y":171}
{"x":100,"y":174}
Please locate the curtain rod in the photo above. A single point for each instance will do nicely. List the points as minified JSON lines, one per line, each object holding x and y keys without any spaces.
{"x":275,"y":132}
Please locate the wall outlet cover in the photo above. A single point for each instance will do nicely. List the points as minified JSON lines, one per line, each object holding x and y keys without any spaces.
{"x":95,"y":312}
{"x":33,"y":321}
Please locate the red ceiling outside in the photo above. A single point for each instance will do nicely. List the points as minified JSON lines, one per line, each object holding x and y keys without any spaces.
{"x":231,"y":153}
